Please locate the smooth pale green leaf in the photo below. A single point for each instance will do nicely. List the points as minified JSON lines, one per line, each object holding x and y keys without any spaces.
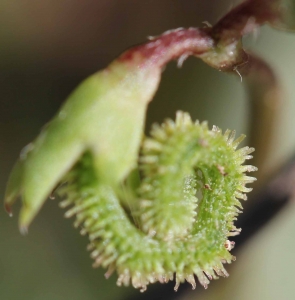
{"x":104,"y":115}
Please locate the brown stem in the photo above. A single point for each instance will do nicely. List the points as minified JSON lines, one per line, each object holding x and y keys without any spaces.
{"x":221,"y":48}
{"x":181,"y":43}
{"x":245,"y":18}
{"x":170,"y":45}
{"x":265,"y":103}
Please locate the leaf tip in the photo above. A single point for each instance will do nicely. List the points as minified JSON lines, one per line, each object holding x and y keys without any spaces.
{"x":8,"y":209}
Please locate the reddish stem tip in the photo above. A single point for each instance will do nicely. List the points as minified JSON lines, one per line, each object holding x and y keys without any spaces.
{"x":8,"y":209}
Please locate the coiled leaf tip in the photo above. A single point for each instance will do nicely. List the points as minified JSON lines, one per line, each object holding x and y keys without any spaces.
{"x":169,"y":232}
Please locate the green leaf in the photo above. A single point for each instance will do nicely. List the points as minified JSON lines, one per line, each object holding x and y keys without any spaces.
{"x":104,"y":115}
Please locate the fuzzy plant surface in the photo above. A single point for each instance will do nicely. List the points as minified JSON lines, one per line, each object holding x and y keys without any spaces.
{"x":160,"y":207}
{"x":173,"y":231}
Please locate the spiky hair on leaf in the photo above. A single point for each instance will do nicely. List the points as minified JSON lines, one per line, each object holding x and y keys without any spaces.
{"x":173,"y":233}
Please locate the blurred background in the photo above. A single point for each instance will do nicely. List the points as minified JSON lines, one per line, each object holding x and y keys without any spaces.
{"x":46,"y":48}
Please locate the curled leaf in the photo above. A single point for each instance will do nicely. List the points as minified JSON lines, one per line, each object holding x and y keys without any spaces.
{"x":178,"y":234}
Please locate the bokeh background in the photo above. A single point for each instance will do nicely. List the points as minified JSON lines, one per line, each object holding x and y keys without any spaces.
{"x":46,"y":48}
